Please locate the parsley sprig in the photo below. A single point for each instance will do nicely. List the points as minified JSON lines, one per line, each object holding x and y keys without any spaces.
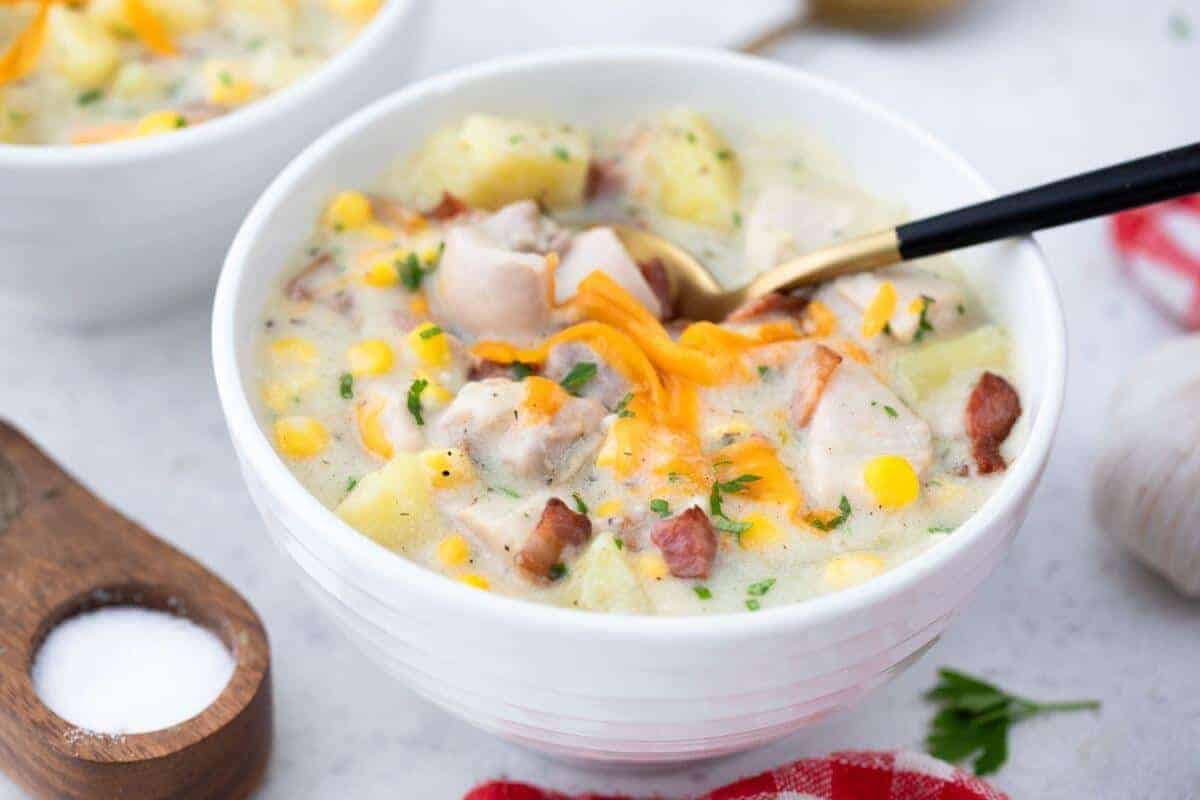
{"x":923,"y":324}
{"x":829,"y":524}
{"x":975,"y":717}
{"x":414,"y":399}
{"x":579,"y":376}
{"x":716,"y":502}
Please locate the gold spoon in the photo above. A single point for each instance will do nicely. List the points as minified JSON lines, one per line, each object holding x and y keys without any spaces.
{"x":860,"y":14}
{"x":697,"y":295}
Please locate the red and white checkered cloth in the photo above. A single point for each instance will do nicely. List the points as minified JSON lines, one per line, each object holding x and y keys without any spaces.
{"x":1161,"y":248}
{"x":900,"y":775}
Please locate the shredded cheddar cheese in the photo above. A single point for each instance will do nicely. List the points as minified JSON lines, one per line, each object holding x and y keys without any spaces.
{"x":543,"y":399}
{"x":879,"y":311}
{"x":756,"y":456}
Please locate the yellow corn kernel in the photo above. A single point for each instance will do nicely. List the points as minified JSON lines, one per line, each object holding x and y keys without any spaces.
{"x":476,"y":580}
{"x":354,"y":9}
{"x":349,"y":210}
{"x":159,"y":122}
{"x":370,"y":357}
{"x":917,"y":305}
{"x":419,"y":305}
{"x":652,"y":566}
{"x":453,"y":551}
{"x":609,"y":508}
{"x":434,"y":391}
{"x":819,"y":319}
{"x":879,"y":311}
{"x":543,"y":399}
{"x":761,"y":534}
{"x":226,"y":85}
{"x":293,"y":350}
{"x":892,"y":481}
{"x":300,"y":437}
{"x":850,"y":569}
{"x":369,"y":416}
{"x":430,"y":344}
{"x":447,"y":468}
{"x":381,"y":272}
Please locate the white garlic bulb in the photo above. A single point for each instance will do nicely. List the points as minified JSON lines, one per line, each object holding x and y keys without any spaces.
{"x":1146,"y":487}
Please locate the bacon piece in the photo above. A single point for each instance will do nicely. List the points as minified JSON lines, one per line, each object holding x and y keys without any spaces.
{"x":775,"y":302}
{"x":655,"y":273}
{"x":815,"y":374}
{"x":602,"y":177}
{"x":992,"y":410}
{"x":300,"y":286}
{"x":449,"y":208}
{"x":687,"y":542}
{"x":558,"y":527}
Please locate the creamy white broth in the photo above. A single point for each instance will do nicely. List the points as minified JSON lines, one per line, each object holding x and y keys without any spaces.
{"x":95,"y":79}
{"x":446,"y":493}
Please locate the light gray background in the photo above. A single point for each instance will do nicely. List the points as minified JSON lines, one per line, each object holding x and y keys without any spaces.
{"x":1028,"y":90}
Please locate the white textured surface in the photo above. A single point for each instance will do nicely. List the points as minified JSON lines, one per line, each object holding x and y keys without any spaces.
{"x":1027,"y":90}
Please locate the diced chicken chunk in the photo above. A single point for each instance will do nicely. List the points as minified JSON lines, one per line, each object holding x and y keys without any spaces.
{"x":788,"y":221}
{"x":522,"y":227}
{"x":600,"y":249}
{"x":481,"y":289}
{"x":498,"y":521}
{"x":488,"y":419}
{"x":857,"y":419}
{"x":917,"y":292}
{"x":609,"y":386}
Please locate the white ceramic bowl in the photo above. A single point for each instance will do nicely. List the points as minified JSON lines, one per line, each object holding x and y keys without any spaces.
{"x":625,"y":688}
{"x":89,"y":234}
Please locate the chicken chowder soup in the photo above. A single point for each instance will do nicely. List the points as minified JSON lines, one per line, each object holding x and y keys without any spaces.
{"x":105,"y":70}
{"x":470,"y":369}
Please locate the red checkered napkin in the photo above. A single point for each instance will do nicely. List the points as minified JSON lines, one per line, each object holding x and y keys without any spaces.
{"x":842,"y":776}
{"x":1161,"y":248}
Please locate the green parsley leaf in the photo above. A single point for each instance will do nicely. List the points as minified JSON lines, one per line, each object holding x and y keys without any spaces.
{"x":753,"y":604}
{"x":557,"y":571}
{"x":923,"y":325}
{"x":578,"y":377}
{"x":89,"y":97}
{"x":738,"y":484}
{"x":561,"y":153}
{"x":521,"y":371}
{"x":350,"y":484}
{"x":975,"y":716}
{"x":660,"y":507}
{"x":941,"y":529}
{"x":760,"y":588}
{"x":691,"y":136}
{"x":623,"y":406}
{"x":414,"y":399}
{"x":961,"y":309}
{"x":737,"y":219}
{"x":580,"y":506}
{"x":430,"y":332}
{"x":891,"y":412}
{"x":507,"y":491}
{"x":410,"y":272}
{"x":225,"y":78}
{"x":763,"y":370}
{"x":724,"y":155}
{"x":516,"y":138}
{"x":255,"y":43}
{"x":619,"y":542}
{"x":702,"y":592}
{"x":828,"y":525}
{"x":723,"y":523}
{"x":346,"y":386}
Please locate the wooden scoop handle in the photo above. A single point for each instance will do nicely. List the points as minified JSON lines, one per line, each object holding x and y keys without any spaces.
{"x":62,"y":551}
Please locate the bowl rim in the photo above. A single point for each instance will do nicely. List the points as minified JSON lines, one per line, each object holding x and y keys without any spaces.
{"x":261,"y":458}
{"x":272,"y":108}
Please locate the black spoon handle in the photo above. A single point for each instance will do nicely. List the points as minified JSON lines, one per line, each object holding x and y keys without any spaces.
{"x":1093,"y":194}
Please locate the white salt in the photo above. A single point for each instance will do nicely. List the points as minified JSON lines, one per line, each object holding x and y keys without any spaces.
{"x":124,"y":669}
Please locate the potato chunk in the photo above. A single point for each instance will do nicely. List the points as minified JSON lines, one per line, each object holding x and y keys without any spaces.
{"x":492,"y":161}
{"x":80,"y":49}
{"x":605,"y":581}
{"x":926,"y":368}
{"x":392,"y":505}
{"x":693,"y":171}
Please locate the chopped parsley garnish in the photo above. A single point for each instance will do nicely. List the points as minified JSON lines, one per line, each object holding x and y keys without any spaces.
{"x":580,"y":506}
{"x":516,"y":138}
{"x":828,"y":525}
{"x":180,"y":122}
{"x":521,"y":371}
{"x":623,"y":406}
{"x":961,"y":309}
{"x":225,"y":78}
{"x":753,"y":604}
{"x":410,"y":271}
{"x":724,"y":523}
{"x":673,"y":477}
{"x":414,"y":399}
{"x":975,"y":716}
{"x":691,"y":136}
{"x":619,"y":542}
{"x":702,"y":592}
{"x":941,"y":529}
{"x":923,"y":325}
{"x":557,"y":571}
{"x":760,"y":588}
{"x":255,"y":43}
{"x":430,"y":332}
{"x":724,"y":155}
{"x":508,"y":491}
{"x":763,"y":370}
{"x":89,"y":97}
{"x":738,"y":484}
{"x":660,"y":507}
{"x":737,"y":219}
{"x":887,"y":328}
{"x":579,"y":376}
{"x":350,"y":484}
{"x":561,"y":153}
{"x":891,"y":412}
{"x":346,"y":386}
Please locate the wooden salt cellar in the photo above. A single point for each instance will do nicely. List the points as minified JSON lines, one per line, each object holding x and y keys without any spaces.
{"x":63,"y":551}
